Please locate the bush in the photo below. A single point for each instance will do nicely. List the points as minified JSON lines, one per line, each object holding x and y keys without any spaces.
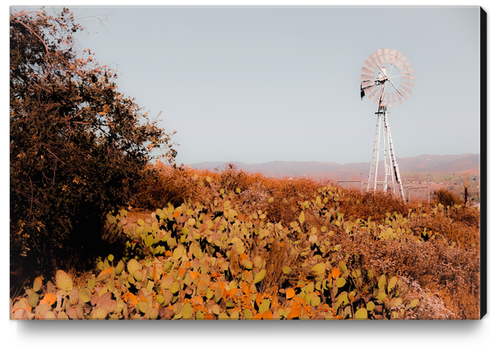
{"x":77,"y":146}
{"x":446,"y":198}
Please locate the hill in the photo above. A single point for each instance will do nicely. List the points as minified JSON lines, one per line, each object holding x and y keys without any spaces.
{"x":460,"y":163}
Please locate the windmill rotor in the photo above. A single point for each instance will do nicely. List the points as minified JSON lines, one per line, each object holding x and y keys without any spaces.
{"x":387,"y":79}
{"x":387,"y":72}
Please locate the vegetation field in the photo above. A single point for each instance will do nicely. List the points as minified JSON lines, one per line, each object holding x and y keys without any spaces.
{"x":233,"y":245}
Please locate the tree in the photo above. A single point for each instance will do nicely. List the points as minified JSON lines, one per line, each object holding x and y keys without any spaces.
{"x":77,"y":145}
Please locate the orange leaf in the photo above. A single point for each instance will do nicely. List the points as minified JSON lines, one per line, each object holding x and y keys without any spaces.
{"x":258,"y":299}
{"x":155,"y":272}
{"x":247,"y":276}
{"x":130,"y":296}
{"x":176,"y":214}
{"x":295,"y":312}
{"x":209,"y":316}
{"x":197,"y":300}
{"x":267,"y":315}
{"x":49,"y":299}
{"x":107,"y":271}
{"x":194,"y":274}
{"x":168,"y":253}
{"x":295,"y":304}
{"x":258,"y":316}
{"x":335,"y":272}
{"x":181,"y":271}
{"x":243,"y":256}
{"x":233,"y":291}
{"x":246,"y":288}
{"x":290,"y":293}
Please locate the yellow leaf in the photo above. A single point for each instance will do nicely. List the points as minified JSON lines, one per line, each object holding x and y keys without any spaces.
{"x":302,"y":217}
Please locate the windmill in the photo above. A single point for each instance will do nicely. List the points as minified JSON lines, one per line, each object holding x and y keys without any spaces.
{"x":392,"y":84}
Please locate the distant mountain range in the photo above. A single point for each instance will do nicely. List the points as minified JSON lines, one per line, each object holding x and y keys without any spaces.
{"x":460,"y":163}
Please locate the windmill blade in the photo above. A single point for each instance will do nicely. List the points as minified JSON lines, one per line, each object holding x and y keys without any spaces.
{"x":399,"y":99}
{"x":407,"y":72}
{"x":406,"y":89}
{"x":381,"y":56}
{"x":403,"y":94}
{"x":394,"y":87}
{"x":387,"y":54}
{"x":366,"y":78}
{"x":372,"y":61}
{"x":367,"y":72}
{"x":376,"y":58}
{"x":394,"y":99}
{"x":366,"y":85}
{"x":395,"y":56}
{"x":407,"y":64}
{"x":408,"y":84}
{"x":369,"y":66}
{"x":375,"y":95}
{"x":408,"y":77}
{"x":367,"y":90}
{"x":373,"y":90}
{"x":401,"y":63}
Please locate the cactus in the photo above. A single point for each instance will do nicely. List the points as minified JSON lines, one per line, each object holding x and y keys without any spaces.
{"x":63,"y":280}
{"x":33,"y":299}
{"x":85,"y":294}
{"x":260,"y":276}
{"x":38,"y":282}
{"x":99,"y":313}
{"x":133,"y":265}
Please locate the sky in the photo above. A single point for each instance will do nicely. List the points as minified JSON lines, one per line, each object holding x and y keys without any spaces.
{"x":259,"y":84}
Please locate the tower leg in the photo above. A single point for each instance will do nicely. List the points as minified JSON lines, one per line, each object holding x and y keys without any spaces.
{"x":373,"y":169}
{"x":395,"y":173}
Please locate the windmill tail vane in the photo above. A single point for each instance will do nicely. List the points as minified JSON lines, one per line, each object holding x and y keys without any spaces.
{"x":385,"y":65}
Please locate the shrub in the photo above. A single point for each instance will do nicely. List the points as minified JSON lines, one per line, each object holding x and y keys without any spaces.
{"x":446,"y":198}
{"x":77,"y":146}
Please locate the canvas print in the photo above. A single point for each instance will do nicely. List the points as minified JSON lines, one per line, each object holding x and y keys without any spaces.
{"x":239,"y":163}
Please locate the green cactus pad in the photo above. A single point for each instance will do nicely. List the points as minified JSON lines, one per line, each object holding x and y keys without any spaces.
{"x":38,"y":282}
{"x":187,"y":311}
{"x":260,"y":276}
{"x":361,"y":314}
{"x":99,"y":313}
{"x":381,"y":281}
{"x":33,"y":299}
{"x":119,"y":267}
{"x":63,"y":280}
{"x":138,"y":275}
{"x":50,"y":315}
{"x":318,"y":269}
{"x":85,"y":294}
{"x":340,"y":282}
{"x":133,"y":265}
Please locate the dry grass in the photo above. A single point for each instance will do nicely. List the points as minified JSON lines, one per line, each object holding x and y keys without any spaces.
{"x":445,"y":268}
